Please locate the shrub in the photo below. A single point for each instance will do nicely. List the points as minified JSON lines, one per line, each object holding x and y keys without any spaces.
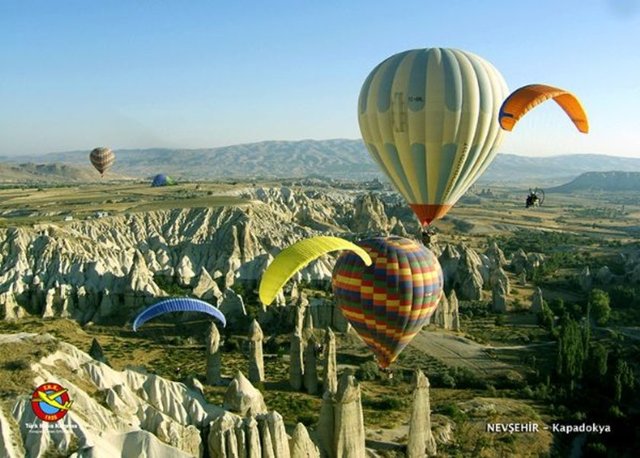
{"x":368,"y":371}
{"x":383,"y":403}
{"x":452,"y":411}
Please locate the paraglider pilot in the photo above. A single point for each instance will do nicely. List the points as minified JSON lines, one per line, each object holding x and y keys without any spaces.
{"x":533,"y":200}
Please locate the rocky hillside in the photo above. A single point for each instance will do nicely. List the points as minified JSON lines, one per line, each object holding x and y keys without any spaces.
{"x":106,"y":270}
{"x":31,"y":173}
{"x":602,"y":181}
{"x":131,"y":413}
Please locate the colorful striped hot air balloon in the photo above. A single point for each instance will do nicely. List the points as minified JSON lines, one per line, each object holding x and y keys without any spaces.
{"x":429,"y":118}
{"x":102,"y":159}
{"x":389,"y":301}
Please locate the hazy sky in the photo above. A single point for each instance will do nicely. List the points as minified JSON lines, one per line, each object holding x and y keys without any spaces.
{"x":129,"y":74}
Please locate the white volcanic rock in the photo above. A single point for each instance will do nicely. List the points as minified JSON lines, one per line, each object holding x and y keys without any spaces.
{"x":207,"y":289}
{"x":421,"y":442}
{"x":296,"y":361}
{"x":124,"y":253}
{"x":142,"y":415}
{"x":330,"y":373}
{"x":256,"y":359}
{"x":496,"y":256}
{"x":349,"y":433}
{"x":273,"y":422}
{"x":499,"y":298}
{"x":222,"y":441}
{"x":537,"y":301}
{"x":9,"y":307}
{"x":310,"y":376}
{"x":441,"y":312}
{"x":498,"y":275}
{"x":232,"y":306}
{"x":241,"y":397}
{"x":454,"y":313}
{"x":301,"y":445}
{"x":326,"y":425}
{"x":370,"y":216}
{"x":449,"y":260}
{"x":184,"y":271}
{"x":214,"y":358}
{"x":519,"y":261}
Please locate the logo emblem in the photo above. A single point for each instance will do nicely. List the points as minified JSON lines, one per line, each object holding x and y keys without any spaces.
{"x":50,"y":402}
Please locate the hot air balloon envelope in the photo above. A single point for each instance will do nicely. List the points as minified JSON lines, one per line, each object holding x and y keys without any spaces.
{"x":388,"y":302}
{"x":162,"y":180}
{"x":429,"y":118}
{"x":102,"y":159}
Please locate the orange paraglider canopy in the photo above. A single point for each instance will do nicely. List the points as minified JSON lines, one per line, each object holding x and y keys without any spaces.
{"x":527,"y":97}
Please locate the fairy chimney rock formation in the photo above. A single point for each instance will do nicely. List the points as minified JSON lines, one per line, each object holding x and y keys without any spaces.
{"x":498,"y":275}
{"x":349,"y":438}
{"x":301,"y":445}
{"x":274,"y":424}
{"x":441,"y":312}
{"x":310,"y":369}
{"x":214,"y":363}
{"x":421,"y":442}
{"x":326,"y":425}
{"x":499,"y":298}
{"x":453,"y":310}
{"x":241,"y":397}
{"x":537,"y":301}
{"x":496,"y":256}
{"x":296,"y":363}
{"x":253,"y":446}
{"x":222,"y":441}
{"x":207,"y":289}
{"x":330,"y":375}
{"x":256,"y":360}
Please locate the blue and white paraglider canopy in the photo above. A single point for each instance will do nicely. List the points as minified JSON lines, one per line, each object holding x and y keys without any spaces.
{"x":178,"y":304}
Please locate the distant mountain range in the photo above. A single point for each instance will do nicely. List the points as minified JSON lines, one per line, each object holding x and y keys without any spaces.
{"x":338,"y":158}
{"x":45,"y":173}
{"x":602,"y":181}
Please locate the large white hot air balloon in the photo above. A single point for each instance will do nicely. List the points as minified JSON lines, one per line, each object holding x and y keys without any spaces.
{"x":429,"y":118}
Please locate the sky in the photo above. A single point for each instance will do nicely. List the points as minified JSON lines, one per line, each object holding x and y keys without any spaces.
{"x":199,"y":74}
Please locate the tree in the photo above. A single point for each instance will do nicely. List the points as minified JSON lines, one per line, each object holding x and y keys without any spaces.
{"x":600,"y":308}
{"x":571,"y":351}
{"x":598,"y":360}
{"x":623,"y":379}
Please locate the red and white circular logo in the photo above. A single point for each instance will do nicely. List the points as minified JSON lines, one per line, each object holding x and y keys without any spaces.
{"x":50,"y":402}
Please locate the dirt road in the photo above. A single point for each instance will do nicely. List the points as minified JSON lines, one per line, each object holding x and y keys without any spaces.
{"x":457,"y":351}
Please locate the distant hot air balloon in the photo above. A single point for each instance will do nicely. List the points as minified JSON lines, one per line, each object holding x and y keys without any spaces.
{"x":385,"y":287}
{"x":429,"y":118}
{"x":522,"y":100}
{"x":178,"y":304}
{"x":102,"y":159}
{"x":388,"y":302}
{"x":162,"y":180}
